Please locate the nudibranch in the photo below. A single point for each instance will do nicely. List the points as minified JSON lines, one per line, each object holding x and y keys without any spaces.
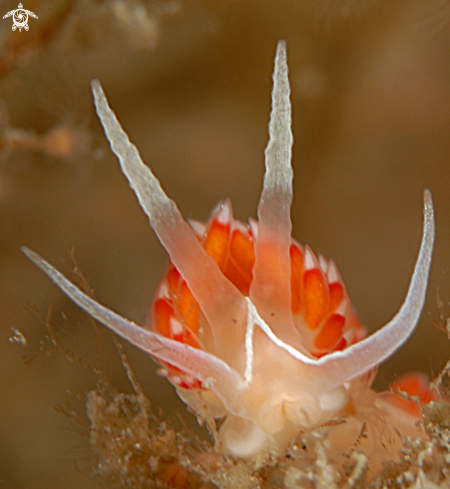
{"x":252,"y":327}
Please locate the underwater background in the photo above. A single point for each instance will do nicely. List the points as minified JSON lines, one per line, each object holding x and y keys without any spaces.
{"x":190,"y":81}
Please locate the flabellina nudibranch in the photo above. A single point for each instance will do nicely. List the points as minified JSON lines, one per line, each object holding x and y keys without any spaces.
{"x":252,"y":327}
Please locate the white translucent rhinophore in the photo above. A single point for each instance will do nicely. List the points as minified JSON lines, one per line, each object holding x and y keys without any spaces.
{"x":257,"y":371}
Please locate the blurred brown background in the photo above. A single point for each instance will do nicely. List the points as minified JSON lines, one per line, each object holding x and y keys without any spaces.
{"x":190,"y":81}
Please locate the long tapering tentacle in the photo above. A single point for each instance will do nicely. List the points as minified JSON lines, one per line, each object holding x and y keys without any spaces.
{"x":375,"y":349}
{"x":203,"y":366}
{"x":219,"y":299}
{"x":270,"y":291}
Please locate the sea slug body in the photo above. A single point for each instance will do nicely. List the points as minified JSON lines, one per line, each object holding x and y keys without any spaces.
{"x":251,"y":326}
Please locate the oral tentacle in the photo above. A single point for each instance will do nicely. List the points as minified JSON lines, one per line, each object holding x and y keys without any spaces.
{"x":221,"y":302}
{"x":209,"y":369}
{"x":270,"y":290}
{"x":364,"y":355}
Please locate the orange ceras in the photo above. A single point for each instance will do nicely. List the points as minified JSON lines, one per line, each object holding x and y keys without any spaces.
{"x":416,"y":386}
{"x":319,"y":303}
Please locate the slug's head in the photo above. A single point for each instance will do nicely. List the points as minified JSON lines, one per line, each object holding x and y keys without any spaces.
{"x":247,"y":323}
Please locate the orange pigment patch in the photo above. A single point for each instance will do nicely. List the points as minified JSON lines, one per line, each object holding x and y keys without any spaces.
{"x":331,"y":332}
{"x":173,"y":277}
{"x":241,"y":261}
{"x":413,"y":384}
{"x":163,"y":313}
{"x":336,"y":295}
{"x":187,"y":307}
{"x":316,"y":298}
{"x":217,"y":241}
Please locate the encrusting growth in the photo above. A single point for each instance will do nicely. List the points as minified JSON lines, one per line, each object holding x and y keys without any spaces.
{"x":252,"y":327}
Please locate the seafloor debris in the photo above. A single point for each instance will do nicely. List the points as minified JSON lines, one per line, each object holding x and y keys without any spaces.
{"x":135,"y":449}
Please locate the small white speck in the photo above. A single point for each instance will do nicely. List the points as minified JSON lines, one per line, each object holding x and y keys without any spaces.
{"x":18,"y":337}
